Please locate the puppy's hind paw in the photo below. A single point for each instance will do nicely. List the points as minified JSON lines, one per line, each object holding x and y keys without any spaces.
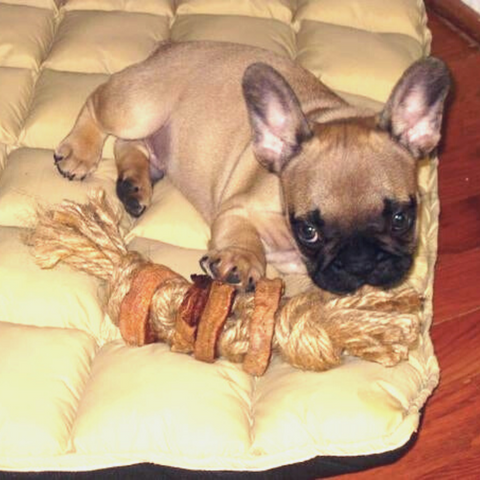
{"x":134,"y":196}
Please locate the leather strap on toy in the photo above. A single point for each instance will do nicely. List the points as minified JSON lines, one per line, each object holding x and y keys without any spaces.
{"x":262,"y":325}
{"x":134,"y":309}
{"x":212,"y":320}
{"x":189,"y":314}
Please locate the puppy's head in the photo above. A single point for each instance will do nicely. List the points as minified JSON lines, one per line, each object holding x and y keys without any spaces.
{"x":349,"y":180}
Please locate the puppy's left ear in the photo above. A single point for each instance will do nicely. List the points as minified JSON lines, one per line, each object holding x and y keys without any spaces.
{"x":279,"y":126}
{"x":413,"y":113}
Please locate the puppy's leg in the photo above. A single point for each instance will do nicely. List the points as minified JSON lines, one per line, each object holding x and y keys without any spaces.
{"x":134,"y":183}
{"x":118,"y":107}
{"x":79,"y":153}
{"x":236,"y":252}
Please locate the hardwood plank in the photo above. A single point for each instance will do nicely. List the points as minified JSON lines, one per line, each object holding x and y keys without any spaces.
{"x":450,"y":46}
{"x":462,"y":216}
{"x":457,"y":285}
{"x":460,"y":149}
{"x":458,"y":267}
{"x":461,"y":15}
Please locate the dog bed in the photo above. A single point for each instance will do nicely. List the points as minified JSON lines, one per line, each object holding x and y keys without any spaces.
{"x":73,"y":396}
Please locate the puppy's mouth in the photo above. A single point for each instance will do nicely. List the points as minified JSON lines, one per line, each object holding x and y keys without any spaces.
{"x":343,"y":277}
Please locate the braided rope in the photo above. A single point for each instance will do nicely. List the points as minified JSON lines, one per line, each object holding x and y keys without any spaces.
{"x":313,"y":330}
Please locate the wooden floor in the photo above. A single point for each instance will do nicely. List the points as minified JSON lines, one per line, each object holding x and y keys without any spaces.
{"x":448,"y":445}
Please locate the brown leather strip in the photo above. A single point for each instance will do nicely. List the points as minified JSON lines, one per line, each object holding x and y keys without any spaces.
{"x":135,"y":307}
{"x":262,"y":325}
{"x":189,"y":314}
{"x":213,"y":319}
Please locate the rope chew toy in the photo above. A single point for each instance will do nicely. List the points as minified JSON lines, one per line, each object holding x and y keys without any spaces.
{"x":207,"y":318}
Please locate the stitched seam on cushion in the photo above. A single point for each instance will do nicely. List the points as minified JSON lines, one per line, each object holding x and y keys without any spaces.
{"x":251,"y":413}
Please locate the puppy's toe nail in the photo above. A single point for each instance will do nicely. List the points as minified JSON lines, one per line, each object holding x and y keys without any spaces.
{"x":57,"y":157}
{"x":233,"y":276}
{"x":67,"y":175}
{"x":213,"y":266}
{"x":251,"y":285}
{"x":205,"y":265}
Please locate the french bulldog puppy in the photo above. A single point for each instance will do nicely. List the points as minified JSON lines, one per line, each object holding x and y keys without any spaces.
{"x":283,"y":169}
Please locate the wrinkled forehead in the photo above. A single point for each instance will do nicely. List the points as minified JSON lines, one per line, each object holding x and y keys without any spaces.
{"x":349,"y":170}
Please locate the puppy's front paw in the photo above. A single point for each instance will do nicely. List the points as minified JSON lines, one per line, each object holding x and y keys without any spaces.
{"x":134,"y":194}
{"x":76,"y":159}
{"x":233,"y":265}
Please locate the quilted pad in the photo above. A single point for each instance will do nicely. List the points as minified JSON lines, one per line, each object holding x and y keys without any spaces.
{"x":73,"y":396}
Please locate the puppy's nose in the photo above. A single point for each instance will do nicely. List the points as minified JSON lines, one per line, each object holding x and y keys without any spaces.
{"x":357,"y":257}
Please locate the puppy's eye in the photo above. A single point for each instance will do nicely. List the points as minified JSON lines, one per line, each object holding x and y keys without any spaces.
{"x":307,"y":233}
{"x":400,"y":222}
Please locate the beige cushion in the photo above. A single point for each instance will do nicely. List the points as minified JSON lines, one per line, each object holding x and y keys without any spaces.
{"x":17,"y":88}
{"x":281,"y":10}
{"x":40,"y":403}
{"x":53,"y":298}
{"x":160,"y":221}
{"x":405,"y":18}
{"x":368,"y":71}
{"x":155,"y":7}
{"x":50,"y":4}
{"x":73,"y":396}
{"x":106,"y":41}
{"x":270,"y":34}
{"x":30,"y":180}
{"x":55,"y":106}
{"x":25,"y":35}
{"x":3,"y":156}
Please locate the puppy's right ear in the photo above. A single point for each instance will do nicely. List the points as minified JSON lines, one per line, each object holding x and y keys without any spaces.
{"x":278,"y":123}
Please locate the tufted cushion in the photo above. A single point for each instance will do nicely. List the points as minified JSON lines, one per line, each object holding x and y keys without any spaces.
{"x":73,"y":396}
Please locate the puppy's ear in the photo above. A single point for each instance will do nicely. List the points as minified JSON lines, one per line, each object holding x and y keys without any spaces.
{"x":413,"y":113}
{"x":278,"y":123}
